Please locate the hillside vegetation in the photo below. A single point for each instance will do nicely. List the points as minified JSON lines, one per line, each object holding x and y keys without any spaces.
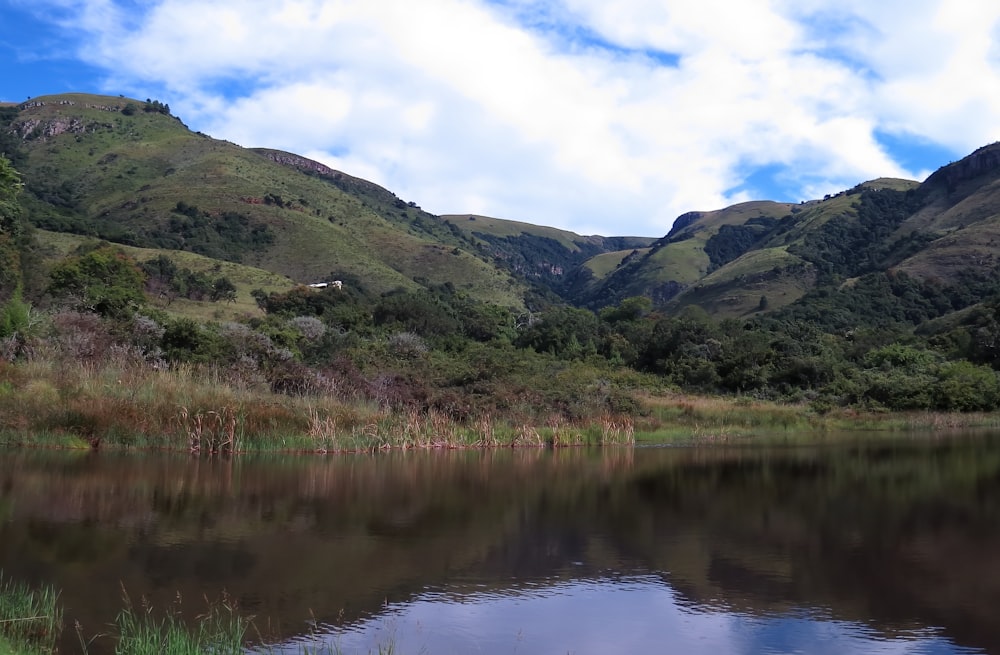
{"x":130,"y":173}
{"x":154,"y":283}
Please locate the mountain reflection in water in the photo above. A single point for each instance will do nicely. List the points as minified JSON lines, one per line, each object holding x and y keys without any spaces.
{"x":891,"y":546}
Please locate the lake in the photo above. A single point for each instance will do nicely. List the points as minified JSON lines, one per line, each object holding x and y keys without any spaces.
{"x":883,"y":546}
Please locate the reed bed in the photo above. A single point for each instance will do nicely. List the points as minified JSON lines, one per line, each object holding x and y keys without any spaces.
{"x":127,"y":403}
{"x":423,"y":430}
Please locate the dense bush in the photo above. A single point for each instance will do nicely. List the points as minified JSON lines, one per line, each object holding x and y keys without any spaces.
{"x":104,"y":280}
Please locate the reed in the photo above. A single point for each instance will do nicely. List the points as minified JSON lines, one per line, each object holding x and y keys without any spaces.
{"x":617,"y":430}
{"x":323,"y":432}
{"x":215,"y":431}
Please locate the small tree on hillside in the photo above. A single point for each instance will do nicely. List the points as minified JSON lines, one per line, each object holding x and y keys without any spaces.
{"x":105,"y":280}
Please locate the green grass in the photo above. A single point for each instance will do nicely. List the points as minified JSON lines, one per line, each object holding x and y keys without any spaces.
{"x":707,"y":420}
{"x":31,"y":624}
{"x":30,"y":618}
{"x":221,"y":630}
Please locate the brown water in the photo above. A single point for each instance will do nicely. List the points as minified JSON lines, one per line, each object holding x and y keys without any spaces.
{"x":889,"y":547}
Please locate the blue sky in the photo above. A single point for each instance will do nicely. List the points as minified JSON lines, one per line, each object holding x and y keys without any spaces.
{"x":594,"y":116}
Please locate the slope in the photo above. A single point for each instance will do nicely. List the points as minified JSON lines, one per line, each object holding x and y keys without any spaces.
{"x":128,"y":172}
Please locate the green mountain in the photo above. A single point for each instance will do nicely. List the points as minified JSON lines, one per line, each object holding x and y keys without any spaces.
{"x":763,"y":256}
{"x":130,"y":173}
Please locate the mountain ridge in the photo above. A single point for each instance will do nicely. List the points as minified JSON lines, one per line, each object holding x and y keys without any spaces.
{"x":129,"y":172}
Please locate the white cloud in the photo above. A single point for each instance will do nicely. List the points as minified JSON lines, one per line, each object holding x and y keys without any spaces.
{"x":564,"y":113}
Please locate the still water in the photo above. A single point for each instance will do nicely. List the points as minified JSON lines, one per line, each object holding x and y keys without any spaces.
{"x":886,"y":547}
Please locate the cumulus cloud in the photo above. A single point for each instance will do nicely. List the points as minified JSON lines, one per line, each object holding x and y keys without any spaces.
{"x":598,"y":117}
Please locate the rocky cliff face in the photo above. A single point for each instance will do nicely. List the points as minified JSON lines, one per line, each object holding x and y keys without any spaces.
{"x":297,"y":161}
{"x":985,"y":160}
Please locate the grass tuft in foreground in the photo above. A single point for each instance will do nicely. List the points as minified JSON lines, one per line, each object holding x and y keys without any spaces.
{"x":30,"y":619}
{"x":220,"y":630}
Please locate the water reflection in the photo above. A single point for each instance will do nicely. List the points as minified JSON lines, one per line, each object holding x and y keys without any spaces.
{"x":889,"y":547}
{"x":604,"y":616}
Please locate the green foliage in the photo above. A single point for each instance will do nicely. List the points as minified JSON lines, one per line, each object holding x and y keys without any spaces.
{"x":15,"y":315}
{"x":104,"y":280}
{"x":565,"y":332}
{"x":11,"y":228}
{"x":882,"y":300}
{"x":10,"y":181}
{"x":965,"y":387}
{"x":10,"y":140}
{"x":629,"y":309}
{"x":347,"y":308}
{"x":419,"y":312}
{"x":185,"y":340}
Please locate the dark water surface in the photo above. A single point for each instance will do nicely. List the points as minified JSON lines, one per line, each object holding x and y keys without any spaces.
{"x":889,"y":547}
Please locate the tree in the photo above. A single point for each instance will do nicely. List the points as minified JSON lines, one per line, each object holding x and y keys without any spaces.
{"x":104,"y":280}
{"x":223,"y":289}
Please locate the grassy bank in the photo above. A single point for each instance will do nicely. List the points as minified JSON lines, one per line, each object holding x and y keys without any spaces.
{"x":201,"y":408}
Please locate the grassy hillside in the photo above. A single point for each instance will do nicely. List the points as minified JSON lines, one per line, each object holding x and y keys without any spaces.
{"x":128,"y":172}
{"x":604,"y":264}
